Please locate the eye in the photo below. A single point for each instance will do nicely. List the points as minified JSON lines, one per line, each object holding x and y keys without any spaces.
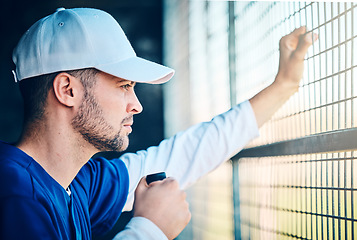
{"x":127,"y":86}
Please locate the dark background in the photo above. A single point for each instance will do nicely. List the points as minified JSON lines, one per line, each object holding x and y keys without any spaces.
{"x":141,"y":20}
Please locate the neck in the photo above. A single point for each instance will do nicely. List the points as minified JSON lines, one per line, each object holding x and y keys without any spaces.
{"x":59,"y":150}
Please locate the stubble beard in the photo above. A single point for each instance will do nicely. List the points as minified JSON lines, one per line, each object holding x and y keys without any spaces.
{"x":93,"y":127}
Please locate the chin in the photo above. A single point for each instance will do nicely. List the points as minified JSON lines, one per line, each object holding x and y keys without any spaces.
{"x":116,"y":145}
{"x":122,"y":148}
{"x":123,"y":145}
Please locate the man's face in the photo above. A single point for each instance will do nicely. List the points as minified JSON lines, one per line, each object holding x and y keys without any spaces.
{"x":105,"y":117}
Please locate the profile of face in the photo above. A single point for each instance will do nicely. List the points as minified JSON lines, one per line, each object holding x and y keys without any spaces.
{"x":103,"y":132}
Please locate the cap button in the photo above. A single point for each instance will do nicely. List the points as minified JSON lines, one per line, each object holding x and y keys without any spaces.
{"x":60,"y":9}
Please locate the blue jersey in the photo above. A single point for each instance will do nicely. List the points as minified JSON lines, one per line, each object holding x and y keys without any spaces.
{"x":35,"y":206}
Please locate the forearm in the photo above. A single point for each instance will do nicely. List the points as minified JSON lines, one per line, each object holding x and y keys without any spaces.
{"x":270,"y":99}
{"x":193,"y":153}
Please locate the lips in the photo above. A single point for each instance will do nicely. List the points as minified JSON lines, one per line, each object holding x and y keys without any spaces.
{"x":125,"y":124}
{"x":128,"y":126}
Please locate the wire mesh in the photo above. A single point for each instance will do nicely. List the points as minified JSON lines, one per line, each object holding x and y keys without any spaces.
{"x":197,"y":47}
{"x":307,"y":196}
{"x":299,"y":197}
{"x":327,"y":97}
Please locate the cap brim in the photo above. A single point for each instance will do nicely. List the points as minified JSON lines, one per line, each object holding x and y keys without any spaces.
{"x":138,"y":70}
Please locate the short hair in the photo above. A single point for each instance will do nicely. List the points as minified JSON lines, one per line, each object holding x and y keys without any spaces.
{"x":35,"y":90}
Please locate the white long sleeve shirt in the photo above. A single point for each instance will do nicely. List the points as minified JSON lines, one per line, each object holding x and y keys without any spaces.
{"x":188,"y":156}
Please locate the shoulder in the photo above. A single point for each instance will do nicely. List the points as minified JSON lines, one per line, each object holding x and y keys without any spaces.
{"x":99,"y":165}
{"x":103,"y":181}
{"x":15,"y":179}
{"x":99,"y":171}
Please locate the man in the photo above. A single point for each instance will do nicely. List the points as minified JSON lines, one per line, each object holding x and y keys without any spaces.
{"x":77,"y":73}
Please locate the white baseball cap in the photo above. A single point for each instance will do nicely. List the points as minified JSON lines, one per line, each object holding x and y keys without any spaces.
{"x":78,"y":38}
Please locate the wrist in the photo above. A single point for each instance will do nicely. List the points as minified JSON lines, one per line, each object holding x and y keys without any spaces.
{"x":141,"y":228}
{"x":286,"y":86}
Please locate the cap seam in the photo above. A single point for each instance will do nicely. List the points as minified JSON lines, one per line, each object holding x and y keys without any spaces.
{"x":38,"y":48}
{"x":87,"y":34}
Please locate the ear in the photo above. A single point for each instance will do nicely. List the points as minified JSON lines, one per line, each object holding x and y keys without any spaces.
{"x":67,"y":89}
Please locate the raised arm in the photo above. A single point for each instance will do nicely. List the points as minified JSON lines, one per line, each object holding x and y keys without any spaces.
{"x":193,"y":153}
{"x":293,"y":48}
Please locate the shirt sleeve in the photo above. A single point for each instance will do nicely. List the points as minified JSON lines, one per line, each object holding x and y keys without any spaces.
{"x":191,"y":154}
{"x":23,"y":218}
{"x":140,"y":228}
{"x":106,"y":184}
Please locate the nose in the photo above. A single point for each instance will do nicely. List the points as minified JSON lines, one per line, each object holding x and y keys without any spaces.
{"x":134,"y":106}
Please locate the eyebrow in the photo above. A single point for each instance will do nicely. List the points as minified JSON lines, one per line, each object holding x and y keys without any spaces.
{"x":132,"y":83}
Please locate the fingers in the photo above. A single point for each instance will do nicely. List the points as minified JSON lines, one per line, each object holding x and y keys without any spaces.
{"x":164,"y":181}
{"x":142,"y":185}
{"x":293,"y":48}
{"x":305,"y":41}
{"x":168,"y":182}
{"x":164,"y":204}
{"x":290,"y":41}
{"x":298,"y":31}
{"x":297,"y":43}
